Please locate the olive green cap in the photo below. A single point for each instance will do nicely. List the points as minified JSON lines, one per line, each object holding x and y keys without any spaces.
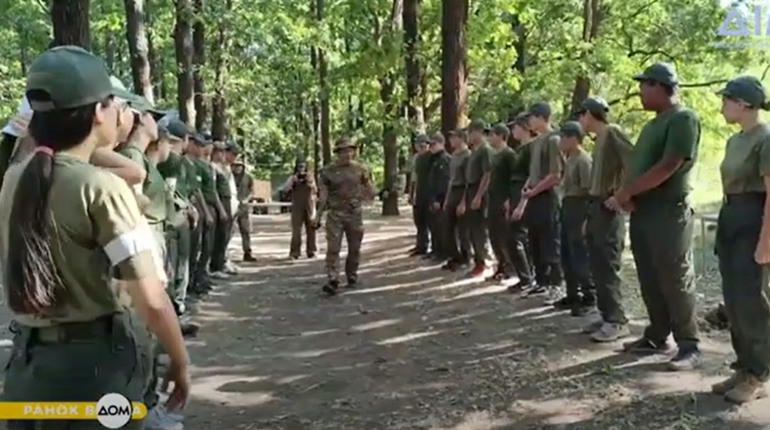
{"x":460,"y":132}
{"x":343,"y":144}
{"x":540,"y":109}
{"x":437,"y":138}
{"x":175,"y":128}
{"x":478,"y":125}
{"x":233,"y":147}
{"x":501,"y":130}
{"x":202,"y":138}
{"x":70,"y":77}
{"x":596,"y":106}
{"x":661,"y":73}
{"x":572,"y":129}
{"x":421,"y":140}
{"x":747,"y":89}
{"x":135,"y":101}
{"x":521,"y":120}
{"x":220,"y":146}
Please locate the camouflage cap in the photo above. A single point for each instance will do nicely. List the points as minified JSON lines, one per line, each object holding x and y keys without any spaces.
{"x":540,"y":109}
{"x":66,"y":77}
{"x":747,"y":89}
{"x":571,"y":129}
{"x":421,"y":140}
{"x":437,"y":138}
{"x":661,"y":73}
{"x":478,"y":125}
{"x":344,"y":143}
{"x":501,"y":130}
{"x":596,"y":106}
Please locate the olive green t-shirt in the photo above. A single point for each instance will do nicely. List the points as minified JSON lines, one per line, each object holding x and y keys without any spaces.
{"x":611,"y":154}
{"x":176,"y":168}
{"x":577,"y":174}
{"x":222,"y":182}
{"x":244,"y":183}
{"x":746,"y":161}
{"x":457,"y":167}
{"x":95,"y":233}
{"x":154,"y":186}
{"x":521,"y":168}
{"x":137,"y":156}
{"x":479,"y":163}
{"x":205,"y":176}
{"x":503,"y":166}
{"x":675,"y":132}
{"x":546,"y":157}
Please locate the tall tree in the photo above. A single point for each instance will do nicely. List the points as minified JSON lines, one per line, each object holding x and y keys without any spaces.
{"x":136,"y":36}
{"x":220,"y":51}
{"x":183,"y":46}
{"x":412,"y":65}
{"x":323,"y":70}
{"x":70,"y":23}
{"x":199,"y":62}
{"x":591,"y":20}
{"x":454,"y":81}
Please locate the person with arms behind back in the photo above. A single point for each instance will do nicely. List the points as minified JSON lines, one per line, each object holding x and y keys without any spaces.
{"x":74,"y":227}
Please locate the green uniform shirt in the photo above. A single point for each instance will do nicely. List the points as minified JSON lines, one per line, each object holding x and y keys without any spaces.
{"x":611,"y":154}
{"x":154,"y":186}
{"x":747,"y":161}
{"x":96,"y":234}
{"x":577,"y":174}
{"x":457,"y":167}
{"x":244,"y":183}
{"x":205,"y":176}
{"x":520,"y":171}
{"x":546,"y":157}
{"x":479,"y":163}
{"x":223,"y":182}
{"x":503,"y":166}
{"x":177,"y":168}
{"x":672,"y":133}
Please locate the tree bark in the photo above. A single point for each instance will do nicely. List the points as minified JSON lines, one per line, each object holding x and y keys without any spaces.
{"x":412,"y":66}
{"x":136,"y":36}
{"x":315,"y":118}
{"x":454,"y":91}
{"x":324,"y":91}
{"x":183,"y":46}
{"x":591,"y":19}
{"x":70,"y":23}
{"x":199,"y":61}
{"x":219,"y":103}
{"x":156,"y":63}
{"x":390,"y":115}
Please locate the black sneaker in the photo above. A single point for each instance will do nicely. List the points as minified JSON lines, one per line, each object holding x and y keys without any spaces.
{"x":498,"y":276}
{"x":566,"y":303}
{"x":519,"y":287}
{"x":449,"y":265}
{"x":248,"y":258}
{"x":685,"y":359}
{"x":331,"y":288}
{"x":352,"y":283}
{"x":588,"y":300}
{"x":644,"y":346}
{"x":417,"y":252}
{"x":537,"y":290}
{"x":580,"y":310}
{"x":189,"y":329}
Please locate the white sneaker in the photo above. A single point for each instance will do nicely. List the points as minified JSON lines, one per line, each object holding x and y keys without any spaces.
{"x":158,"y":419}
{"x":593,"y":322}
{"x":554,"y":294}
{"x":231,"y":268}
{"x":220,"y":276}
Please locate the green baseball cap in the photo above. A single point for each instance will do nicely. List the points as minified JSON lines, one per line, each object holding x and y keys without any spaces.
{"x":66,"y":77}
{"x":202,"y":138}
{"x":747,"y":89}
{"x":596,"y":106}
{"x":501,"y":130}
{"x":661,"y":73}
{"x":459,"y":132}
{"x":233,"y":147}
{"x":135,"y":101}
{"x":522,"y":120}
{"x":478,"y":125}
{"x":174,"y":128}
{"x":540,"y":109}
{"x":571,"y":129}
{"x":421,"y":139}
{"x":437,"y":138}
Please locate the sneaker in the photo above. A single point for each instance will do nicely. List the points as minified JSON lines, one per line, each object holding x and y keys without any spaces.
{"x":644,"y":346}
{"x":565,"y":303}
{"x":220,"y":276}
{"x":157,"y":419}
{"x":519,"y":287}
{"x":189,"y":329}
{"x":748,"y":389}
{"x":248,"y":258}
{"x":231,"y":268}
{"x":478,"y":270}
{"x":554,"y":294}
{"x":593,"y":326}
{"x":311,"y":255}
{"x":685,"y":359}
{"x":449,"y":265}
{"x":610,"y":332}
{"x":331,"y":288}
{"x":580,"y":310}
{"x":352,"y":283}
{"x":721,"y":388}
{"x":537,"y":290}
{"x":717,"y":318}
{"x":496,"y":277}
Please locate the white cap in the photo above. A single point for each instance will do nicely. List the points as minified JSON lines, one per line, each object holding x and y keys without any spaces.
{"x":24,"y":111}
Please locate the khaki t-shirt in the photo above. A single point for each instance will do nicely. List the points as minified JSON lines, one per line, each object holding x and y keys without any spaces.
{"x":457,"y":167}
{"x":746,"y":161}
{"x":479,"y":163}
{"x":611,"y":154}
{"x":577,"y":174}
{"x":546,"y":157}
{"x":95,"y":232}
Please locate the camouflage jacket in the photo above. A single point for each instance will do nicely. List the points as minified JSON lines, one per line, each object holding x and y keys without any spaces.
{"x":345,"y":187}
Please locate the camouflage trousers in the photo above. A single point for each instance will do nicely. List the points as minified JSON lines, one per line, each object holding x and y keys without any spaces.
{"x":351,"y":224}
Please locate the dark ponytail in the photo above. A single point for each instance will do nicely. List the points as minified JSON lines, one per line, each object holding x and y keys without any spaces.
{"x":31,"y":276}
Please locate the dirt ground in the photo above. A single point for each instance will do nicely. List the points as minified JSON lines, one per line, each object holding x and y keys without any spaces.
{"x":419,"y":348}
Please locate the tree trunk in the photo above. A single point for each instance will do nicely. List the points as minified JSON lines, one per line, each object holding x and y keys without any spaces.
{"x":156,"y":62}
{"x":591,"y":18}
{"x":199,"y":61}
{"x":219,"y":103}
{"x":109,"y":51}
{"x":324,"y":92}
{"x":70,"y":23}
{"x":23,"y":49}
{"x":390,"y":148}
{"x":183,"y":45}
{"x":412,"y":66}
{"x":390,"y":108}
{"x":454,"y":91}
{"x":136,"y":37}
{"x":315,"y":119}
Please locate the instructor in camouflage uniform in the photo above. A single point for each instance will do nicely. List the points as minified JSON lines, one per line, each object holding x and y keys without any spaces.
{"x":345,"y":185}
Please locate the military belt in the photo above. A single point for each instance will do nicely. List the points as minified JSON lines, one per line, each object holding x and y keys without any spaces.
{"x":737,"y":198}
{"x":75,"y":331}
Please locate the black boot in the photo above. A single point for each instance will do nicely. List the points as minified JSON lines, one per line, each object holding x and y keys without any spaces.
{"x":331,"y":288}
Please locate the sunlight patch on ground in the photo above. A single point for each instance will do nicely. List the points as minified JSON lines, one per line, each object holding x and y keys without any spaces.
{"x":390,"y":287}
{"x":480,"y":421}
{"x":375,"y":325}
{"x":408,"y":337}
{"x":558,"y":411}
{"x":446,"y":286}
{"x":313,"y":353}
{"x":208,"y":389}
{"x":492,"y":289}
{"x":318,"y":332}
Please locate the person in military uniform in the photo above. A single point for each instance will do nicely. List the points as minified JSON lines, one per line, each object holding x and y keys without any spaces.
{"x":503,"y":164}
{"x":456,"y":226}
{"x":542,"y":201}
{"x":245,"y":187}
{"x":419,"y":196}
{"x":606,"y":228}
{"x":657,"y":192}
{"x":303,"y":190}
{"x":210,"y":205}
{"x":221,"y":234}
{"x":438,"y":179}
{"x":518,"y":240}
{"x":580,"y":296}
{"x":345,"y":185}
{"x":58,"y":269}
{"x":743,"y":239}
{"x":232,"y":151}
{"x":474,"y":206}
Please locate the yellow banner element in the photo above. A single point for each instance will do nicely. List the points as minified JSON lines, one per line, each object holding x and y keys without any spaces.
{"x":58,"y":411}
